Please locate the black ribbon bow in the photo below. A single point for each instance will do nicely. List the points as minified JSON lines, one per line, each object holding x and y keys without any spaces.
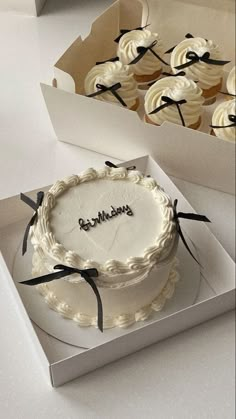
{"x":112,"y":60}
{"x":143,"y":50}
{"x":35,"y":206}
{"x":113,"y":89}
{"x":168,"y":102}
{"x":231,"y":118}
{"x":110,"y":164}
{"x":124,"y":31}
{"x":87,"y":274}
{"x":187,"y":216}
{"x":188,"y":35}
{"x":193,"y":58}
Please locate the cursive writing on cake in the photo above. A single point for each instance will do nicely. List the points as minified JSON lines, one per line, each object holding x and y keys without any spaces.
{"x":104,"y":216}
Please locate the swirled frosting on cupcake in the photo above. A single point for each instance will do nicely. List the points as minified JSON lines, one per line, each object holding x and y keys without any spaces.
{"x":231,"y":82}
{"x":108,"y":74}
{"x":207,"y":75}
{"x":221,"y":118}
{"x":176,"y":88}
{"x":127,"y":51}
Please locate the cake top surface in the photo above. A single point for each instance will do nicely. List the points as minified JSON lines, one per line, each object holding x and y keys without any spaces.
{"x":113,"y":219}
{"x":222,"y":117}
{"x":177,"y":88}
{"x":208,"y":75}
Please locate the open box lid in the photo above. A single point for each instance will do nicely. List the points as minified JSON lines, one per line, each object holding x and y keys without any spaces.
{"x":120,"y":133}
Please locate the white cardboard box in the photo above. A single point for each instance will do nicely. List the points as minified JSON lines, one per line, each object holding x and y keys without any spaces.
{"x":28,"y":7}
{"x":63,"y":362}
{"x":184,"y":153}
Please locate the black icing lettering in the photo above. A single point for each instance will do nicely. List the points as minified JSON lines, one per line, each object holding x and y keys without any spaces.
{"x":104,"y":216}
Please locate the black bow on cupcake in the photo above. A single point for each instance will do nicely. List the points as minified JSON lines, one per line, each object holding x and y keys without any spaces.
{"x":35,"y":206}
{"x":231,"y":118}
{"x":169,"y":102}
{"x":87,"y":274}
{"x":193,"y":58}
{"x":113,"y":89}
{"x":124,"y":31}
{"x":143,"y":50}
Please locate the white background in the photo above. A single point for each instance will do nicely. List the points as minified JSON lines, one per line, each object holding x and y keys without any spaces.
{"x":187,"y":376}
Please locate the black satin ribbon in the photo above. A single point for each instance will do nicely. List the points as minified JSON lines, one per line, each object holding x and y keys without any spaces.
{"x":231,"y":118}
{"x":188,"y":35}
{"x":180,"y":73}
{"x":187,"y":216}
{"x":169,"y":102}
{"x":113,"y":89}
{"x":35,"y":206}
{"x":193,"y":58}
{"x":87,"y":274}
{"x":110,"y":164}
{"x":124,"y":31}
{"x":228,"y":94}
{"x":112,"y":60}
{"x":143,"y":50}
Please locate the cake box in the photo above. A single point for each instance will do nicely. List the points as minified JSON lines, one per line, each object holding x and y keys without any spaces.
{"x":28,"y":7}
{"x":121,"y":133}
{"x":63,"y":362}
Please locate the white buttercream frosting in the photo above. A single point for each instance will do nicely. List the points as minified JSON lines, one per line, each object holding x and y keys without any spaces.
{"x":177,"y":88}
{"x":108,"y":74}
{"x":127,"y":51}
{"x":221,"y":118}
{"x":231,"y":82}
{"x":207,"y":75}
{"x":133,"y":254}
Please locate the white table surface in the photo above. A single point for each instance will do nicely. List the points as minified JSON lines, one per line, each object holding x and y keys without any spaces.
{"x":190,"y":375}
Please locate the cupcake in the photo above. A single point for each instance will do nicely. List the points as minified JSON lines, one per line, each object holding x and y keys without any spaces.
{"x":112,"y":82}
{"x":142,"y":50}
{"x":231,"y":83}
{"x":174,"y":99}
{"x":224,"y":121}
{"x":201,"y":60}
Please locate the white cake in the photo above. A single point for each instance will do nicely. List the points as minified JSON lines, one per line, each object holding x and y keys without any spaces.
{"x":119,"y":222}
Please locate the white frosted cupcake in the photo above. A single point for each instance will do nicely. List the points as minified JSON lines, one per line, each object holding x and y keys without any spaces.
{"x":201,"y":61}
{"x":224,"y":121}
{"x":231,"y":83}
{"x":174,"y":99}
{"x":142,"y":50}
{"x":112,"y":82}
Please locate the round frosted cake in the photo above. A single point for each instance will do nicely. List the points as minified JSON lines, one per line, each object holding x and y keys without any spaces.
{"x":119,"y":222}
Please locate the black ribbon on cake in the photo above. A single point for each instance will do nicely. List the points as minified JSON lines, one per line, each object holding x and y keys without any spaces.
{"x":124,"y":31}
{"x":87,"y":274}
{"x":187,"y":216}
{"x":193,"y":58}
{"x":143,"y":50}
{"x":169,"y":102}
{"x":112,"y":60}
{"x":110,"y":164}
{"x":113,"y":89}
{"x":231,"y":118}
{"x":35,"y":206}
